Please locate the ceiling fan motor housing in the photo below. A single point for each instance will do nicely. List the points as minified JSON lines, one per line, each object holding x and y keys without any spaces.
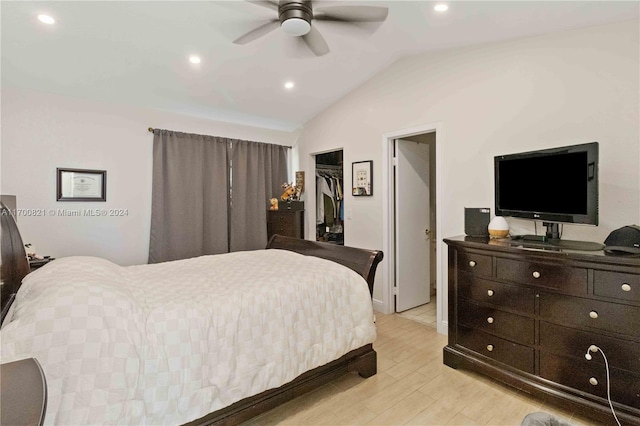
{"x":295,"y":16}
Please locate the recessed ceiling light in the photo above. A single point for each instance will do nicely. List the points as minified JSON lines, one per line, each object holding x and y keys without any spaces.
{"x":289,"y":85}
{"x":46,"y":19}
{"x":441,"y":7}
{"x":195,"y":59}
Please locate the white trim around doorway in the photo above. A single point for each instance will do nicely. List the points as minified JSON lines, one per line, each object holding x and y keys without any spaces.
{"x":386,"y":304}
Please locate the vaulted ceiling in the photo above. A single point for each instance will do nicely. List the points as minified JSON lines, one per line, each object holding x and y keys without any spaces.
{"x":137,"y":53}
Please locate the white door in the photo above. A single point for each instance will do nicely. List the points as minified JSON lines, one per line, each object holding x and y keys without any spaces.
{"x":412,"y":232}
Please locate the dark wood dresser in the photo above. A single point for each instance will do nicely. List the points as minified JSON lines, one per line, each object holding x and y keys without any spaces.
{"x":289,"y":223}
{"x":527,"y":316}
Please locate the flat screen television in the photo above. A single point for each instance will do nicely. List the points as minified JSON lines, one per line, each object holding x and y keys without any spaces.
{"x":555,"y":185}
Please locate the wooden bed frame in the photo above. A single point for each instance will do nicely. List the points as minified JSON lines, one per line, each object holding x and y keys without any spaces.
{"x":363,"y":360}
{"x":14,"y":264}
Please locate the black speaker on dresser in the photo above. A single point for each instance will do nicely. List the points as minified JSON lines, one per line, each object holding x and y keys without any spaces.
{"x":476,"y":221}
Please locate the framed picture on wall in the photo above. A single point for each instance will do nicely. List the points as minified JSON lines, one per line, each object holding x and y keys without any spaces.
{"x":81,"y":185}
{"x":362,"y":178}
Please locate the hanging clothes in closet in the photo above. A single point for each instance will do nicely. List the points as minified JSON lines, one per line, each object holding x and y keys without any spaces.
{"x":329,"y":203}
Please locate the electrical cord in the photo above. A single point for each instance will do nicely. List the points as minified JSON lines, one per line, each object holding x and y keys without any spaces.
{"x":594,"y":348}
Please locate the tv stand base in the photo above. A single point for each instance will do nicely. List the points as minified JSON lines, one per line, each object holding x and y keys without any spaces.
{"x":576,"y":245}
{"x":542,"y":242}
{"x":539,"y":238}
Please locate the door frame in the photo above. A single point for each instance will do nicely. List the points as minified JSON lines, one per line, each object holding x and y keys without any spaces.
{"x":388,"y":220}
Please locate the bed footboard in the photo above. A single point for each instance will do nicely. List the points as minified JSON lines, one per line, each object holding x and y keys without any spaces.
{"x":361,"y":360}
{"x":363,"y":261}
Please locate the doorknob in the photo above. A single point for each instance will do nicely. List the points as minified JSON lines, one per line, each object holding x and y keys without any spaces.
{"x":427,"y":232}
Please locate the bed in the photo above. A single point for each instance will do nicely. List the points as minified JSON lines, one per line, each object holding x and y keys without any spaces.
{"x":147,"y":345}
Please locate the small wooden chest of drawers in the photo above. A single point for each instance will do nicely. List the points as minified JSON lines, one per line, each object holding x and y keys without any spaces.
{"x":289,"y":223}
{"x":528,"y":317}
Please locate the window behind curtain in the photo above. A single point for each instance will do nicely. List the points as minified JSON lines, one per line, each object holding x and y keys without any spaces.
{"x":201,"y":204}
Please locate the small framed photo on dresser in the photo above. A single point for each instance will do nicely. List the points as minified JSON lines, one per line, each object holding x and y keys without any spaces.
{"x":81,"y":185}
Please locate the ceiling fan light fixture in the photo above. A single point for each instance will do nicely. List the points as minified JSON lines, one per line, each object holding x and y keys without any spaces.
{"x":295,"y":17}
{"x":295,"y":26}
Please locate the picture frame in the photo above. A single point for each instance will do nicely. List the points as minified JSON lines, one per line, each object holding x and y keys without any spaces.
{"x":81,"y":185}
{"x":300,"y":181}
{"x":362,"y":178}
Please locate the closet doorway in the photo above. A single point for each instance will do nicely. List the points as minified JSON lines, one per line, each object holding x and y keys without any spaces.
{"x":329,"y":197}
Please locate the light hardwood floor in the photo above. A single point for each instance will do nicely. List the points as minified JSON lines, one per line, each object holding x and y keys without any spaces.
{"x":412,"y":387}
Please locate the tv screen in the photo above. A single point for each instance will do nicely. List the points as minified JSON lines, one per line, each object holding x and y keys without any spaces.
{"x":556,"y":184}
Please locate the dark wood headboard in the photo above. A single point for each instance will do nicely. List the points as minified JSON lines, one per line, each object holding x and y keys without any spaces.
{"x":14,"y":264}
{"x":363,"y":261}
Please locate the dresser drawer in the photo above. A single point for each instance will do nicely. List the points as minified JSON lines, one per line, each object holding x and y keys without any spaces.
{"x":491,"y":320}
{"x":609,"y":316}
{"x":513,"y":297}
{"x":282,"y":219}
{"x":580,"y":373}
{"x":475,"y":264}
{"x":504,"y":351}
{"x":289,"y":223}
{"x":621,"y":354}
{"x":562,"y":278}
{"x":617,"y":285}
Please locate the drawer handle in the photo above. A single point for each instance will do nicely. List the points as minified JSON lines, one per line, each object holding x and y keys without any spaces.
{"x":472,"y":263}
{"x":593,"y":314}
{"x":490,"y":320}
{"x":593,"y":381}
{"x":536,"y":274}
{"x":626,"y":287}
{"x":490,"y":293}
{"x":490,"y":348}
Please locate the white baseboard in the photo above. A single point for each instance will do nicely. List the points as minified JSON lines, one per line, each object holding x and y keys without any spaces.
{"x":443,"y":328}
{"x":378,"y":306}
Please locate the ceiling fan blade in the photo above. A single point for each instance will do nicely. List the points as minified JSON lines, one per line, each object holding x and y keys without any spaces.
{"x":316,"y":42}
{"x":351,"y":13}
{"x":272,"y":4}
{"x":258,"y":32}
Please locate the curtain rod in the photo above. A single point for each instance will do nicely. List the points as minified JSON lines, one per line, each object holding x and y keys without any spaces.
{"x":151,"y":129}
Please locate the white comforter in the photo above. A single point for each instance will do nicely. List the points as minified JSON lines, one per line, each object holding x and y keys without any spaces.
{"x":171,"y":342}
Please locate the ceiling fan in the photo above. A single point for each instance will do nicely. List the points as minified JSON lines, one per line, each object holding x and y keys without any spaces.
{"x":295,"y":18}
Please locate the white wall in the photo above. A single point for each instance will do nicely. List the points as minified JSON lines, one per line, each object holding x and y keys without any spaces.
{"x":41,"y":132}
{"x":552,"y":90}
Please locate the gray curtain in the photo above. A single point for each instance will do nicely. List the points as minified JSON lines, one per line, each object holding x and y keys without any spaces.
{"x":210,"y":194}
{"x":258,"y":171}
{"x":190,"y":195}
